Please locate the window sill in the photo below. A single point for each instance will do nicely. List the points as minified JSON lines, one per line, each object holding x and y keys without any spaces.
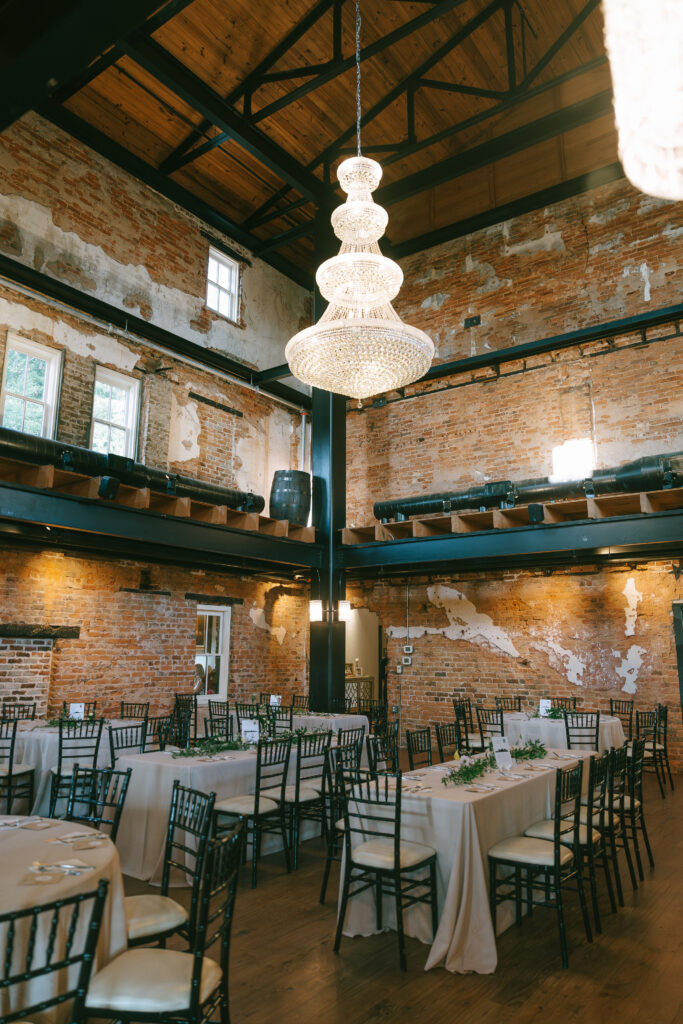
{"x":239,"y":324}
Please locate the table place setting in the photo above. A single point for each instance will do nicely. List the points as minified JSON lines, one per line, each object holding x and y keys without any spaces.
{"x":81,"y":840}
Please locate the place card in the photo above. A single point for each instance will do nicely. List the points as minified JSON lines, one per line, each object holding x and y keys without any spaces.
{"x":501,"y":752}
{"x":544,"y":707}
{"x":250,"y":730}
{"x":275,"y":700}
{"x":41,"y":878}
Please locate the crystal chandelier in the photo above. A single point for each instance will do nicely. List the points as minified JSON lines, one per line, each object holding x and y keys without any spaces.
{"x":360,"y":346}
{"x":643,"y":42}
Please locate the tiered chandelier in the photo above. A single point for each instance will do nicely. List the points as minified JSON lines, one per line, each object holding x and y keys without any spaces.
{"x":360,"y":346}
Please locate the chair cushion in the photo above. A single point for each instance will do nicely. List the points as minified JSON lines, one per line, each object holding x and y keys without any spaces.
{"x":546,"y":830}
{"x":150,"y":981}
{"x":340,"y":825}
{"x":379,"y":853}
{"x":17,"y":769}
{"x":525,"y":850}
{"x":151,"y":914}
{"x":306,"y":794}
{"x":658,"y":746}
{"x":244,"y":805}
{"x":473,"y":739}
{"x":583,"y":817}
{"x":627,"y":803}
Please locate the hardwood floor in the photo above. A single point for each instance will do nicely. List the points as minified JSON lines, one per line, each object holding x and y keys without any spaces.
{"x":283,"y":970}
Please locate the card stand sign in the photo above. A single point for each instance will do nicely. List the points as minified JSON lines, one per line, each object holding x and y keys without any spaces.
{"x":501,"y":752}
{"x":250,"y":730}
{"x":77,"y":711}
{"x":275,"y":700}
{"x":544,"y":708}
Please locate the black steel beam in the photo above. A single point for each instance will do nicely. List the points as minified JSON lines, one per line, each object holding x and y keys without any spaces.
{"x":559,"y":42}
{"x":535,"y":201}
{"x":284,"y":238}
{"x":618,"y":537}
{"x":149,"y":55}
{"x":540,"y":130}
{"x":144,"y":172}
{"x":143,"y":530}
{"x":80,"y":301}
{"x":274,"y":373}
{"x":44,"y":44}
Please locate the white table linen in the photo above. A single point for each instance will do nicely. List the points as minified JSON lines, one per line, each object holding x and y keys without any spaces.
{"x":551,"y":731}
{"x":311,"y":721}
{"x":461,"y":827}
{"x":19,"y":847}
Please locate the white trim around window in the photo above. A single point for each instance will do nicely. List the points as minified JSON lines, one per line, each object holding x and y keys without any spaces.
{"x":202,"y":657}
{"x":223,"y":285}
{"x":114,"y":426}
{"x":28,"y":400}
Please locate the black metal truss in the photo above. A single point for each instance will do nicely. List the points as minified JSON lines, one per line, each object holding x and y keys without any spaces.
{"x":654,"y":535}
{"x":33,"y":514}
{"x":43,"y":284}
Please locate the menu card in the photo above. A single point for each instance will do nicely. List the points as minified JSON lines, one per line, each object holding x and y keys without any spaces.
{"x":544,"y":707}
{"x":250,"y":730}
{"x":501,"y":752}
{"x":275,"y":700}
{"x":77,"y":711}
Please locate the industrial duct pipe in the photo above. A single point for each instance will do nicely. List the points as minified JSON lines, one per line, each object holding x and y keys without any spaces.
{"x":116,"y":470}
{"x":651,"y":473}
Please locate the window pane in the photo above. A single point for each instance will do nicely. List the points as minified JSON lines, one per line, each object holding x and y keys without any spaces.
{"x":100,"y":437}
{"x":225,"y":306}
{"x":117,"y":441}
{"x":100,"y":409}
{"x":213,"y":633}
{"x":118,"y":406}
{"x":213,"y":269}
{"x":36,"y":373}
{"x":200,"y":674}
{"x":201,"y":632}
{"x":13,"y":413}
{"x":212,"y":673}
{"x":212,"y":296}
{"x":33,"y":418}
{"x":16,"y":366}
{"x":225,"y":277}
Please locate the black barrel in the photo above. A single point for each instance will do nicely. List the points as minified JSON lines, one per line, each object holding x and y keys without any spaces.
{"x":290,"y":496}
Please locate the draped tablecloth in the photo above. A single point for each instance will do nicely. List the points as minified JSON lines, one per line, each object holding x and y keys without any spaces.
{"x":18,"y":848}
{"x":39,"y":746}
{"x":309,"y":720}
{"x":551,"y":731}
{"x":461,"y":826}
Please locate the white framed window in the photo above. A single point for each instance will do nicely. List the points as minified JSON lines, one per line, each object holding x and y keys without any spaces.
{"x":212,"y":651}
{"x":223,"y":285}
{"x":573,"y":460}
{"x":114,"y":413}
{"x":30,"y":384}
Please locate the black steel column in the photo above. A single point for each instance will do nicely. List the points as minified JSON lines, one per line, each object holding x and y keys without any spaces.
{"x":328,"y":457}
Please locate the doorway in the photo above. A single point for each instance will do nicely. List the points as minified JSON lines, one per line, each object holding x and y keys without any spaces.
{"x":363,"y":646}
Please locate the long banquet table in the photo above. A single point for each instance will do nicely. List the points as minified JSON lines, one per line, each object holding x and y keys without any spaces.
{"x":551,"y":731}
{"x":19,"y":847}
{"x":309,"y":720}
{"x":461,"y":826}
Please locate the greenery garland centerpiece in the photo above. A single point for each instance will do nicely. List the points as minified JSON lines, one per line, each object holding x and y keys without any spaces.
{"x":467,"y":769}
{"x":552,"y":713}
{"x":70,"y":723}
{"x":531,"y":751}
{"x":213,"y":745}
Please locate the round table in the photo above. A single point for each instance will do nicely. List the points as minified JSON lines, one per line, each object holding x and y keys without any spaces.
{"x":551,"y":731}
{"x":21,"y":846}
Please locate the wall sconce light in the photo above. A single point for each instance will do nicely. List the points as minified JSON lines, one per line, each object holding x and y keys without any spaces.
{"x":344,"y":611}
{"x":316,"y":611}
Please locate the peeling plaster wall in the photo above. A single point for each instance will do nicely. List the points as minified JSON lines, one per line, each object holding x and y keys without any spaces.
{"x":538,"y":635}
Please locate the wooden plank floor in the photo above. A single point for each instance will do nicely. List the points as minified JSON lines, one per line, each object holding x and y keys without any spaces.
{"x":283,"y":970}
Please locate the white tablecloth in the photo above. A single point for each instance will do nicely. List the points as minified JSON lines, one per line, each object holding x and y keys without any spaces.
{"x":311,"y":721}
{"x":40,"y":747}
{"x":461,"y":827}
{"x":18,"y":848}
{"x":552,"y":733}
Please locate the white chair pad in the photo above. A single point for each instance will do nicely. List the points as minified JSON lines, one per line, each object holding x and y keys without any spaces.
{"x":150,"y":981}
{"x":473,"y":739}
{"x":340,"y":825}
{"x":17,"y":769}
{"x":583,"y":817}
{"x":658,"y":746}
{"x":306,"y":794}
{"x":627,"y":803}
{"x":244,"y":805}
{"x":525,"y":850}
{"x":546,"y":830}
{"x":379,"y":853}
{"x":149,"y":915}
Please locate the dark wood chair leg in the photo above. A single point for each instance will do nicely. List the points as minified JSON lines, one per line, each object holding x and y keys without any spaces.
{"x":582,"y":896}
{"x":560,"y":923}
{"x":646,"y":840}
{"x":492,"y":892}
{"x":399,"y":924}
{"x":590,"y":852}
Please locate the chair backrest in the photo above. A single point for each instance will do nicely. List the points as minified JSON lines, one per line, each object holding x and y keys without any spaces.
{"x":567,"y":807}
{"x":96,"y":797}
{"x":373,"y":709}
{"x":491,"y":723}
{"x":371,"y":808}
{"x":383,"y":748}
{"x":89,"y":707}
{"x":419,"y":743}
{"x":301,"y":700}
{"x":280,"y":719}
{"x":155,"y":734}
{"x":214,"y":917}
{"x":186,"y":708}
{"x":345,"y":736}
{"x":617,"y":783}
{"x":18,"y":709}
{"x":218,"y":727}
{"x":582,"y":729}
{"x":448,"y":738}
{"x":77,"y":918}
{"x":189,"y":827}
{"x":246,"y":711}
{"x":623,"y":710}
{"x":218,"y":709}
{"x":127,"y":738}
{"x":133,"y":709}
{"x":79,"y":742}
{"x":596,"y":792}
{"x":177,"y":731}
{"x":662,"y":723}
{"x":566,"y":703}
{"x":509,"y":703}
{"x":646,"y":726}
{"x":462,"y":706}
{"x":635,"y":772}
{"x":8,"y":736}
{"x":272,"y":762}
{"x":311,"y":754}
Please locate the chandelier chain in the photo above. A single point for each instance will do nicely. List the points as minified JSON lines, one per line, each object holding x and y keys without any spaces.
{"x":358,"y":107}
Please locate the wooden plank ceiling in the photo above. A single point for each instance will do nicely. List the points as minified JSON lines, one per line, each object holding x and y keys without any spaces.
{"x":474,"y":108}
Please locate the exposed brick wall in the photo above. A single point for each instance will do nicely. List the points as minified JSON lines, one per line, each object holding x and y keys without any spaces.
{"x":536,"y":634}
{"x":141,"y":646}
{"x":25,"y":666}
